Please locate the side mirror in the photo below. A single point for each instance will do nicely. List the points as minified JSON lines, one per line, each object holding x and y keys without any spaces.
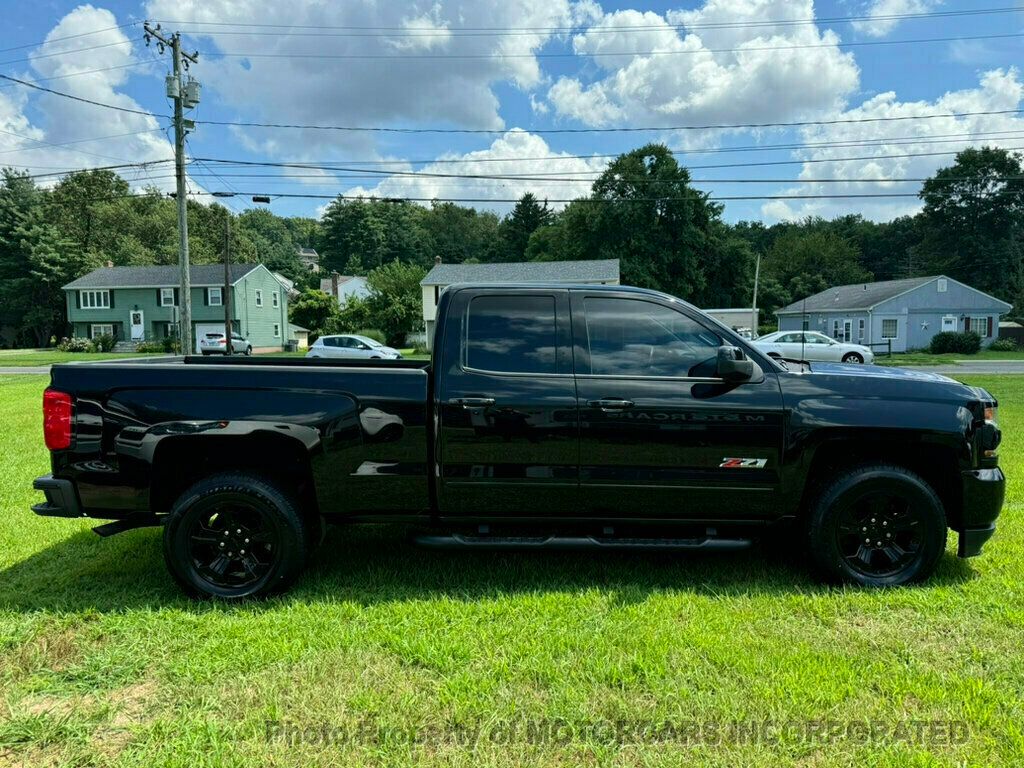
{"x":734,"y":365}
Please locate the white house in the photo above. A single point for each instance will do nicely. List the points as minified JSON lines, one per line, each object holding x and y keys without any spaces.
{"x":344,"y":287}
{"x":595,"y":272}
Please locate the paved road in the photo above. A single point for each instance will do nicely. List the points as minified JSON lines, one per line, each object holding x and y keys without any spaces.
{"x":43,"y":369}
{"x":977,"y":366}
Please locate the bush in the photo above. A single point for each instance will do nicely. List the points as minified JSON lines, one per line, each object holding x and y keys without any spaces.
{"x":372,"y":333}
{"x":103,"y":343}
{"x":967,"y":343}
{"x":159,"y":345}
{"x":76,"y":345}
{"x":1004,"y":345}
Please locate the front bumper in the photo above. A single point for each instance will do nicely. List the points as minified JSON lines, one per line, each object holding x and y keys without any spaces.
{"x":983,"y":494}
{"x":61,"y":498}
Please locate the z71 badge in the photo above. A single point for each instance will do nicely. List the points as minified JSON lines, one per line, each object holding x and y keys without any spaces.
{"x":743,"y":463}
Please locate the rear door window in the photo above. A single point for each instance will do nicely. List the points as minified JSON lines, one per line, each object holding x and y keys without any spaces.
{"x":512,"y":334}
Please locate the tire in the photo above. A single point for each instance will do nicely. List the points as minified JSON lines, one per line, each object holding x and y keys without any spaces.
{"x":260,"y":513}
{"x":248,"y":351}
{"x":853,"y":357}
{"x":900,"y":517}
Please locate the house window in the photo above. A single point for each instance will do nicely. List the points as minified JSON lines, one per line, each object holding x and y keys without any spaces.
{"x":216,"y":297}
{"x":94,"y":299}
{"x":948,"y":324}
{"x":943,"y":285}
{"x":259,"y":297}
{"x":277,"y":331}
{"x":166,"y":297}
{"x":274,"y":300}
{"x":805,"y":324}
{"x":836,"y":330}
{"x":101,"y":329}
{"x":980,"y":326}
{"x":860,"y":329}
{"x":890,"y":329}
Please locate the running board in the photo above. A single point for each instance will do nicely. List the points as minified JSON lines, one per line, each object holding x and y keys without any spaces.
{"x":462,"y":541}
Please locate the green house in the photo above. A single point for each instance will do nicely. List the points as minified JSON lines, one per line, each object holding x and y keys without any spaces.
{"x":141,"y":303}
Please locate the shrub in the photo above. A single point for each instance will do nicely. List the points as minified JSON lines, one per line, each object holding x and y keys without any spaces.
{"x":372,"y":333}
{"x":1004,"y":345}
{"x":76,"y":345}
{"x":159,"y":345}
{"x":967,"y":343}
{"x":104,"y":343}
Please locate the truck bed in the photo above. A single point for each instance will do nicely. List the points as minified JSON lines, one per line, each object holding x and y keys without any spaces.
{"x":361,"y":428}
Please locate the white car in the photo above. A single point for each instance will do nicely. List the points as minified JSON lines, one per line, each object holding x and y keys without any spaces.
{"x":811,"y":345}
{"x":352,"y":346}
{"x":214,"y":344}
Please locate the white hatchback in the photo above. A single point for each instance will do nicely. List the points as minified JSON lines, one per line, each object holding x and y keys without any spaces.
{"x":811,"y":346}
{"x":353,"y":346}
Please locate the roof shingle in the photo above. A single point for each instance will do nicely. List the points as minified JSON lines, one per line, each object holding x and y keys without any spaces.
{"x":524,"y":272}
{"x":857,"y":296}
{"x":158,"y":277}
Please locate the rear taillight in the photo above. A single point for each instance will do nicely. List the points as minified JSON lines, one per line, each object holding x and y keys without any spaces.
{"x":56,"y":419}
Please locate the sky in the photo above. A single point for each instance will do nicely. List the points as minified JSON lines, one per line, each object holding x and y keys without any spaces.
{"x":780,"y":108}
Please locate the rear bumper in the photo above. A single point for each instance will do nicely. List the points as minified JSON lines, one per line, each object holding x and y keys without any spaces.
{"x":61,"y":498}
{"x":983,"y":494}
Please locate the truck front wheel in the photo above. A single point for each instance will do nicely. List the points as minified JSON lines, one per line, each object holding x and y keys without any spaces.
{"x":877,"y":526}
{"x":234,"y":536}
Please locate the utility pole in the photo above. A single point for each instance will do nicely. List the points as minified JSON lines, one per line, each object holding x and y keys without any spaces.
{"x":186,"y":96}
{"x":226,"y":299}
{"x":756,"y":317}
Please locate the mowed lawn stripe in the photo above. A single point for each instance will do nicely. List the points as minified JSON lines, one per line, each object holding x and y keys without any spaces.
{"x":102,"y":662}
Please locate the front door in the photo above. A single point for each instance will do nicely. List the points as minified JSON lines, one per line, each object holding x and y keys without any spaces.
{"x":661,"y":437}
{"x":508,"y":424}
{"x":847,"y":331}
{"x":138,"y":326}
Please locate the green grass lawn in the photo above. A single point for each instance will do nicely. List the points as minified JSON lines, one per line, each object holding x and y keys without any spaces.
{"x":22,"y":358}
{"x":102,"y":662}
{"x":926,"y":358}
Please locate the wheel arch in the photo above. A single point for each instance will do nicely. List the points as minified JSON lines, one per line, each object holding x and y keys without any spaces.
{"x":179,"y":461}
{"x":936,"y":463}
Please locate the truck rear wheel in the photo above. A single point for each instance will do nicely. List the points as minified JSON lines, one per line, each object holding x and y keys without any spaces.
{"x":234,"y":536}
{"x":877,"y":526}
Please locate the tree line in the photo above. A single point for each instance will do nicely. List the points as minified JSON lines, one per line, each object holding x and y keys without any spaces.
{"x":642,"y":210}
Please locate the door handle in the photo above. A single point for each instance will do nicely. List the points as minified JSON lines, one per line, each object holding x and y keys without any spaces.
{"x":610,"y":404}
{"x":472,"y":402}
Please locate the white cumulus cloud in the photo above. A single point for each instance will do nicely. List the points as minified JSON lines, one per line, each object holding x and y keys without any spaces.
{"x":881,"y":12}
{"x":754,"y":70}
{"x":892,"y":154}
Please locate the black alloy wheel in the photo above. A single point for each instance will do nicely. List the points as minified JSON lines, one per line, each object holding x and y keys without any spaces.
{"x":880,"y":534}
{"x":234,"y":536}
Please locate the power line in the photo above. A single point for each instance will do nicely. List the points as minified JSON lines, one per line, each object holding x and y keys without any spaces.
{"x":68,"y":37}
{"x":621,"y":129}
{"x":698,"y":25}
{"x":76,"y":141}
{"x":64,"y":53}
{"x":83,"y":72}
{"x":599,"y":54}
{"x":27,"y":84}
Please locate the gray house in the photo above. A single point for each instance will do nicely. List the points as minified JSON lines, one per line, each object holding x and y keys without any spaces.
{"x":906,"y":312}
{"x":589,"y":272}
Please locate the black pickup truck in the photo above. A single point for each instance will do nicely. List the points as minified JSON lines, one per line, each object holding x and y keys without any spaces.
{"x":551,"y":416}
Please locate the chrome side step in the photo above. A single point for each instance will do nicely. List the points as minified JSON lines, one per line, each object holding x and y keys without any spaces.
{"x":463,"y":541}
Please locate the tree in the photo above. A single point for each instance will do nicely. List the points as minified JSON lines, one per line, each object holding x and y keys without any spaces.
{"x":808,"y":259}
{"x":35,"y":261}
{"x":316,"y":311}
{"x":526,"y":218}
{"x":973,"y":219}
{"x":395,"y":302}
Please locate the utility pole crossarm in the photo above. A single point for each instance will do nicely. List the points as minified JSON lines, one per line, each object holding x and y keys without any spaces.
{"x":177,"y":91}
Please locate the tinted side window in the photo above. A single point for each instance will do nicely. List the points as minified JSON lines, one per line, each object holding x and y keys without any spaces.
{"x":640,"y":338}
{"x":512,"y":334}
